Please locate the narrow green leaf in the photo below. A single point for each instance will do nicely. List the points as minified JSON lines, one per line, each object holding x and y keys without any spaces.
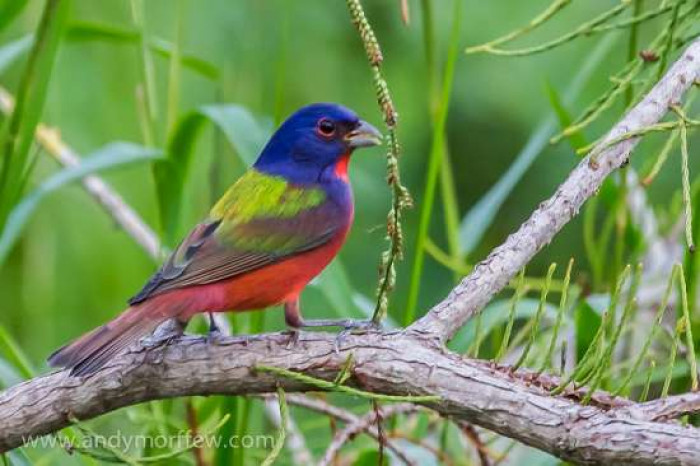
{"x":282,"y":434}
{"x":434,"y":164}
{"x":246,"y":133}
{"x":86,"y":31}
{"x":31,"y":95}
{"x":114,"y":155}
{"x":170,"y":173}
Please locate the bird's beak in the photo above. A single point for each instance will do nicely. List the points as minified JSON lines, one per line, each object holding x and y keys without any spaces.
{"x":364,"y":135}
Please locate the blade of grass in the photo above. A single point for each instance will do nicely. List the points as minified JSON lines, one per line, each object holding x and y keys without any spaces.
{"x":538,"y":316}
{"x":19,"y":132}
{"x":519,"y":292}
{"x":447,"y":186}
{"x":690,"y":343}
{"x":147,"y":71}
{"x":434,"y":162}
{"x":645,"y":391}
{"x":672,"y":357}
{"x":652,"y":333}
{"x":282,"y":434}
{"x":602,"y":369}
{"x":174,"y":69}
{"x":563,"y":303}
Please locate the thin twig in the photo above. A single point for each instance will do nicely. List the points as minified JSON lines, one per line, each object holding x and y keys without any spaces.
{"x":323,"y":407}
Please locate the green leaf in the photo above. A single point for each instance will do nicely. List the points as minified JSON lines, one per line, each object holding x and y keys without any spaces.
{"x":85,"y":31}
{"x":18,"y":134}
{"x":481,"y":215}
{"x":244,"y":132}
{"x":10,"y":52}
{"x":114,"y":155}
{"x":9,"y":10}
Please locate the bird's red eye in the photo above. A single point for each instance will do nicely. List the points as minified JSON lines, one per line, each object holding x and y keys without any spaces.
{"x":326,"y":127}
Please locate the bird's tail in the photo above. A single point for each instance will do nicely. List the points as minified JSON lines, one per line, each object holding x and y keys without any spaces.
{"x":93,"y":350}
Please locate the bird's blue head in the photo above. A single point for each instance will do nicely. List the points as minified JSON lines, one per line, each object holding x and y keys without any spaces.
{"x":315,"y":143}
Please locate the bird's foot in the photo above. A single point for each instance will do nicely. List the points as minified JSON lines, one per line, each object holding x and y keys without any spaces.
{"x":348,"y":327}
{"x":214,"y":337}
{"x":214,"y":334}
{"x":351,"y":327}
{"x":345,"y":324}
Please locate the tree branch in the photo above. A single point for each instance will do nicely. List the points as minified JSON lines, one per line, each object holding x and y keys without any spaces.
{"x":504,"y":262}
{"x":395,"y":363}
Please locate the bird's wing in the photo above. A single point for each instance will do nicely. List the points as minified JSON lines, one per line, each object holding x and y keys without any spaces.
{"x":260,"y":220}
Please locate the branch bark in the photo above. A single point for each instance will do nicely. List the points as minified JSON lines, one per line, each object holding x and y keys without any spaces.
{"x":394,"y":363}
{"x":406,"y":362}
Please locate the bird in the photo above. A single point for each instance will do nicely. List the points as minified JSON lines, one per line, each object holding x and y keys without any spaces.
{"x":276,"y":228}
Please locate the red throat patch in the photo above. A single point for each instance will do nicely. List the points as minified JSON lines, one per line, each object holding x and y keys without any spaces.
{"x":341,"y":166}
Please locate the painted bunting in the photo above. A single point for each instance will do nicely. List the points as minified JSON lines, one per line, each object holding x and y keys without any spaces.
{"x":274,"y":230}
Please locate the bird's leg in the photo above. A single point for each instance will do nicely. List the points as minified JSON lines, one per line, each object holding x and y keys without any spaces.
{"x":214,"y":333}
{"x":213,"y":326}
{"x":293,"y":318}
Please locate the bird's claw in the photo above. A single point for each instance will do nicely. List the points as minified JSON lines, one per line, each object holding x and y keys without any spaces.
{"x":214,"y":337}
